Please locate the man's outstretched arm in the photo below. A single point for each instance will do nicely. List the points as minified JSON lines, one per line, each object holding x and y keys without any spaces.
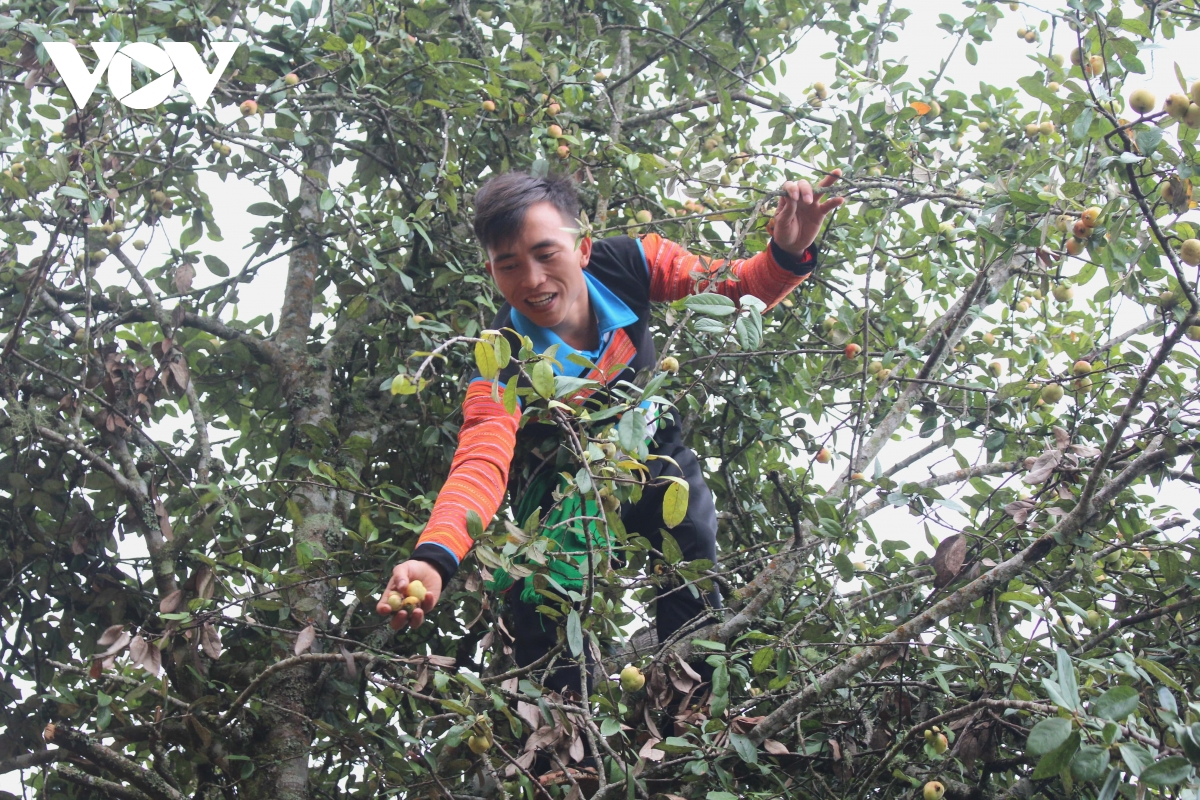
{"x":477,"y":482}
{"x":771,"y":275}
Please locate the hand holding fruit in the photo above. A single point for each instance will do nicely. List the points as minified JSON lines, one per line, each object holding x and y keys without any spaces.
{"x":410,"y":594}
{"x":800,"y":215}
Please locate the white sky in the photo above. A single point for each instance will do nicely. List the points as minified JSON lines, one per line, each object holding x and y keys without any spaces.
{"x":1001,"y":63}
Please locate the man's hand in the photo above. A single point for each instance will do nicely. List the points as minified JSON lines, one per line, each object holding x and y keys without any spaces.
{"x":402,"y":575}
{"x":799,"y":217}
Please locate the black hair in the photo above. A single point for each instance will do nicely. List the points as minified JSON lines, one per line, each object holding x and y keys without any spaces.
{"x":501,"y":203}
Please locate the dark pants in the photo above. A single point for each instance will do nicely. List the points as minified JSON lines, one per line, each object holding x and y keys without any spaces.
{"x":697,"y":539}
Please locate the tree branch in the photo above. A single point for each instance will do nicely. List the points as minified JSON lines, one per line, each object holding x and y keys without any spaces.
{"x":81,"y":744}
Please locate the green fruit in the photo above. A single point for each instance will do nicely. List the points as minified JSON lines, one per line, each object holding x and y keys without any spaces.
{"x":632,"y":679}
{"x":1052,"y":393}
{"x":479,"y":744}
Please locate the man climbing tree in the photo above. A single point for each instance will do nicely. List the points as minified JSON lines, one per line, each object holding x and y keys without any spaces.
{"x":587,"y":305}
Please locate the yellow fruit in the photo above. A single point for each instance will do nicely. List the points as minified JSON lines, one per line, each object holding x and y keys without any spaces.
{"x":933,"y":791}
{"x":488,"y":105}
{"x":874,"y":367}
{"x":1063,"y":293}
{"x":821,"y":89}
{"x":1094,"y":619}
{"x":1195,"y":92}
{"x":644,"y":216}
{"x":248,"y":107}
{"x":1177,"y":105}
{"x":395,"y":601}
{"x":1022,"y":306}
{"x":1032,"y":130}
{"x":479,"y":744}
{"x":997,"y":368}
{"x":1096,"y":63}
{"x":564,"y":151}
{"x":824,"y":456}
{"x":1083,"y":384}
{"x":670,"y":364}
{"x":1031,"y":37}
{"x":553,"y":109}
{"x":939,"y":743}
{"x":1077,"y":57}
{"x":555,"y":131}
{"x":1081,"y":368}
{"x":416,"y":589}
{"x":1053,"y":86}
{"x":632,"y":679}
{"x":1192,"y":117}
{"x":417,"y":319}
{"x":882,"y":375}
{"x":711,"y":144}
{"x":1052,"y":393}
{"x":1142,"y":101}
{"x":1091,"y":216}
{"x":1058,"y":59}
{"x":139,"y":244}
{"x":1193,"y":333}
{"x":1021,"y":33}
{"x":18,"y":169}
{"x":291,"y":79}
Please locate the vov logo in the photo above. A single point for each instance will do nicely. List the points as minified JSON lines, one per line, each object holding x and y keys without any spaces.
{"x":162,"y":60}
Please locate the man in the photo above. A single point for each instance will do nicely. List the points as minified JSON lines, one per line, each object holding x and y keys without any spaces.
{"x":591,"y":299}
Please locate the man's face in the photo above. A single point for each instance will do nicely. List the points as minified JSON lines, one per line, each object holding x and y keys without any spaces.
{"x":540,"y":271}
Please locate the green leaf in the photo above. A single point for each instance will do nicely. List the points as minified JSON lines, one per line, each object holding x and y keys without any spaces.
{"x":1116,"y":704}
{"x":713,"y":305}
{"x":744,"y":748}
{"x":1048,"y":735}
{"x":675,"y":503}
{"x":1090,"y":763}
{"x":485,"y":360}
{"x":1111,"y":784}
{"x":542,"y":377}
{"x":1168,"y":772}
{"x":1067,"y":681}
{"x":1148,"y":139}
{"x":763,"y":660}
{"x":1082,"y":124}
{"x":216,"y":266}
{"x":845,"y":566}
{"x":1058,"y":760}
{"x":574,"y":633}
{"x":264,"y":210}
{"x":972,"y":54}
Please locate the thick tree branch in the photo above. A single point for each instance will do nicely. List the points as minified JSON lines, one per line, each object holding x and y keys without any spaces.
{"x":81,"y":744}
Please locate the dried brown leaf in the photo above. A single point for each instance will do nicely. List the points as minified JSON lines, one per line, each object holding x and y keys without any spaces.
{"x":649,"y":753}
{"x":205,"y":582}
{"x":305,"y":639}
{"x":1020,"y":510}
{"x":111,"y":634}
{"x":210,"y":640}
{"x":351,"y":667}
{"x":775,"y":748}
{"x":1043,"y":468}
{"x":179,"y":371}
{"x":184,"y":275}
{"x":948,"y":559}
{"x":164,"y":521}
{"x":1061,"y":438}
{"x":171,"y":602}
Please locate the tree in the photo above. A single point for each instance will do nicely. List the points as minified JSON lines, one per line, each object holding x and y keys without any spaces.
{"x":272,"y":470}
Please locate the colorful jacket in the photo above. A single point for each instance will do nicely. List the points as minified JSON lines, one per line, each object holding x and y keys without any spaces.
{"x":624,"y":277}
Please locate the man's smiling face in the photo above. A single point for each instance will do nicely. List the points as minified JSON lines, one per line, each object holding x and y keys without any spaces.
{"x":540,"y":271}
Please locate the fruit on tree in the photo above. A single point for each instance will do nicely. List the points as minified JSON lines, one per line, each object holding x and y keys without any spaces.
{"x":248,"y":107}
{"x":1192,"y":117}
{"x":874,"y":367}
{"x":488,"y":105}
{"x":1083,"y":384}
{"x":852,"y":350}
{"x":1021,"y":33}
{"x":859,"y":566}
{"x":1194,"y":92}
{"x":555,"y":130}
{"x":1054,"y":86}
{"x":1081,"y":367}
{"x":291,"y":79}
{"x":1052,"y":393}
{"x":882,"y":375}
{"x":417,"y":319}
{"x":989,"y":338}
{"x":1077,"y":56}
{"x":1032,"y":130}
{"x":564,"y":151}
{"x":644,"y":216}
{"x":1046,"y":128}
{"x":479,"y":744}
{"x":1166,"y":299}
{"x":670,"y":364}
{"x":824,"y":456}
{"x":1081,"y":230}
{"x":1022,"y":306}
{"x":828,"y":323}
{"x":1189,"y":251}
{"x":1063,"y":292}
{"x":1031,"y":36}
{"x":139,"y":244}
{"x":1142,"y":101}
{"x":1074,"y":246}
{"x":933,"y":791}
{"x":553,"y":109}
{"x":1177,"y":105}
{"x":1193,"y":333}
{"x":1091,"y":216}
{"x":1096,"y":65}
{"x":632,"y":679}
{"x":601,"y":76}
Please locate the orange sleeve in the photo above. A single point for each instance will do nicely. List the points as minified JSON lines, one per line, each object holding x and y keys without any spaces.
{"x":675,"y":273}
{"x":479,"y":472}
